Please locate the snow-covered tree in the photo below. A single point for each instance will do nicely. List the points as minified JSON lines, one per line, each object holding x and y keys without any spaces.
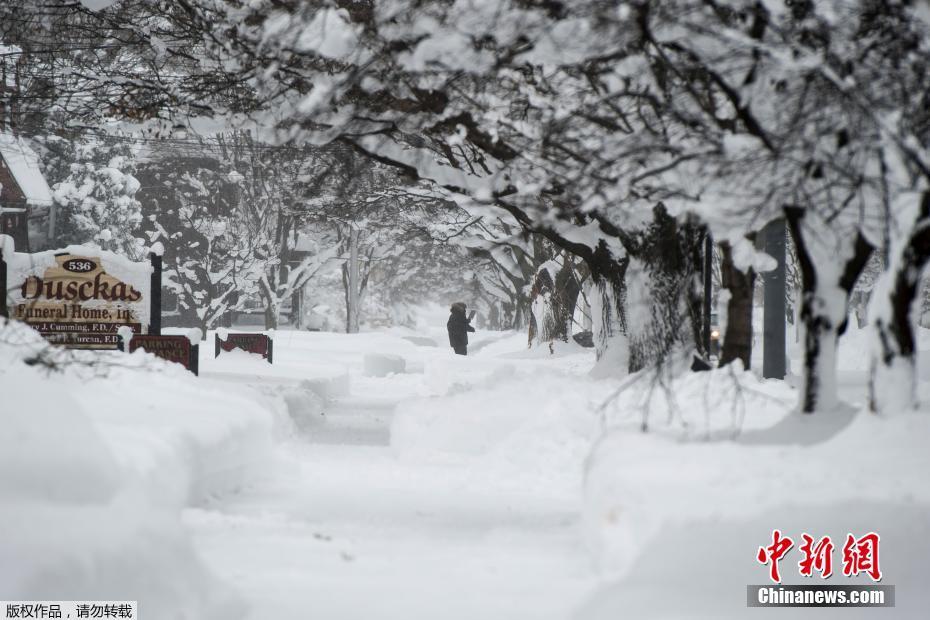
{"x":209,"y":262}
{"x":578,"y":120}
{"x":556,"y":287}
{"x":376,"y":218}
{"x":277,"y":192}
{"x":513,"y":258}
{"x":96,"y":203}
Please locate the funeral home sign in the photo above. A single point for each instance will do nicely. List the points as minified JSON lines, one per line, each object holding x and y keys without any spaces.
{"x":79,"y":296}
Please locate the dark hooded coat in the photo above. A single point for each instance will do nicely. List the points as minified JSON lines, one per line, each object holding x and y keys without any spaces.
{"x":458,"y":327}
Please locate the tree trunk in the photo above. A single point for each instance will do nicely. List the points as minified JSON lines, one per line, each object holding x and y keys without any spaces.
{"x":587,"y":317}
{"x":567,"y":290}
{"x":893,"y":377}
{"x":494,"y":317}
{"x":823,"y":318}
{"x":543,"y":325}
{"x":667,"y":301}
{"x":297,"y":308}
{"x":820,"y":340}
{"x":271,"y":316}
{"x":271,"y":306}
{"x":271,"y":310}
{"x":553,"y":302}
{"x":608,"y":312}
{"x":737,"y":341}
{"x":352,"y":285}
{"x":708,"y":294}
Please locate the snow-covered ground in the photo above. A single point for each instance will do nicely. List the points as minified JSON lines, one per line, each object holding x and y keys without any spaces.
{"x":451,"y":490}
{"x":99,"y":454}
{"x":508,"y":484}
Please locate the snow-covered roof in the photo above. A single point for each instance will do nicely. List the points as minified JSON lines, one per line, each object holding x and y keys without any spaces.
{"x":24,"y":164}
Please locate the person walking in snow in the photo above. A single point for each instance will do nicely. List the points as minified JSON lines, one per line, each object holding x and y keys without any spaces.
{"x":459,"y":325}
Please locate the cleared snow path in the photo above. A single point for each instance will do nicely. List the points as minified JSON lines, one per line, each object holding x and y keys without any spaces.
{"x":345,"y":529}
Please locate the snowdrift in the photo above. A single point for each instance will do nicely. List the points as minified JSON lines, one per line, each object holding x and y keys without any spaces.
{"x":534,"y":428}
{"x":726,"y":460}
{"x":382,"y":365}
{"x":99,"y":453}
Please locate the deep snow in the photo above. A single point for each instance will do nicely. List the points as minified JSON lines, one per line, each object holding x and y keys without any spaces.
{"x":508,"y":484}
{"x":97,"y":459}
{"x":360,"y":518}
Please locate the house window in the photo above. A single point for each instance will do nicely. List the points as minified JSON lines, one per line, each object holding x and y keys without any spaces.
{"x":14,"y":225}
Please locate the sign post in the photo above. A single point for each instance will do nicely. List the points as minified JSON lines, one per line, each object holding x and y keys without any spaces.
{"x":774,"y":360}
{"x":4,"y":312}
{"x":155,"y":295}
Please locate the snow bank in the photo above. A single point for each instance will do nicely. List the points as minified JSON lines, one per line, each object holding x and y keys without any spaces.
{"x":508,"y":411}
{"x":497,"y":344}
{"x":326,"y":380}
{"x":452,"y":374}
{"x":304,"y":405}
{"x":381,"y":365}
{"x":693,"y":482}
{"x":421,"y":341}
{"x":680,"y":404}
{"x":699,"y":570}
{"x":539,"y":427}
{"x":328,"y":386}
{"x":99,"y":453}
{"x":185,"y":438}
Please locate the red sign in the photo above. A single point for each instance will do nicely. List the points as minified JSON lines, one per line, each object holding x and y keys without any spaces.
{"x":259,"y":344}
{"x":176,"y":349}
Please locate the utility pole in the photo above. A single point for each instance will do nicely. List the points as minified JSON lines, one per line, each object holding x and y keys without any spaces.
{"x":773,"y":340}
{"x":708,"y":289}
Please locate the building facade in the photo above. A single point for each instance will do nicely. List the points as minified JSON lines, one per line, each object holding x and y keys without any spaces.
{"x":27,"y":211}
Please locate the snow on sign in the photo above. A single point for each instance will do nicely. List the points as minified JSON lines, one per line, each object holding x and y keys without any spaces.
{"x":259,"y":344}
{"x":79,"y":296}
{"x":173,"y":348}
